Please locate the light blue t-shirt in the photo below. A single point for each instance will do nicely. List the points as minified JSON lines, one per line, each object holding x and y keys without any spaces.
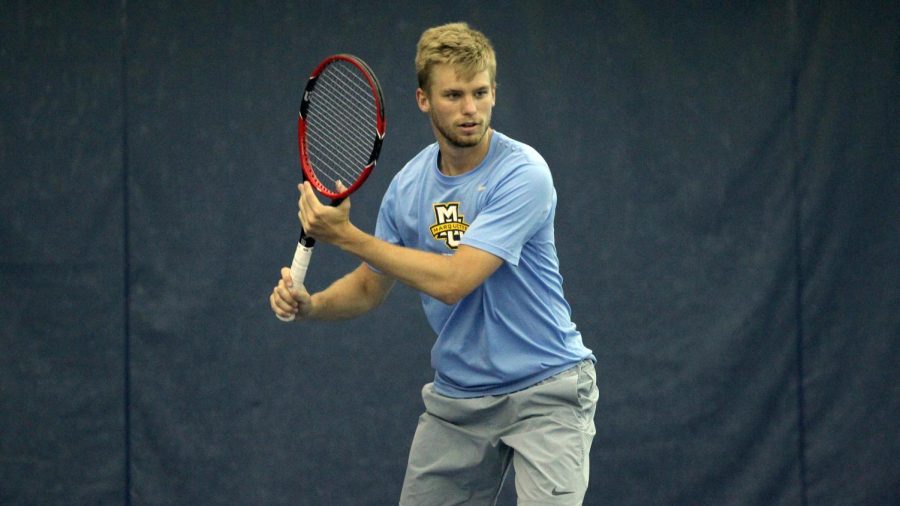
{"x":515,"y":329}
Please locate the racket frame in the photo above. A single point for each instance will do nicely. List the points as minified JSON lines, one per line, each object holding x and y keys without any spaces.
{"x":309,"y":172}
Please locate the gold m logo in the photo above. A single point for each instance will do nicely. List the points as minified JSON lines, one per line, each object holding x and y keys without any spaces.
{"x":448,"y":224}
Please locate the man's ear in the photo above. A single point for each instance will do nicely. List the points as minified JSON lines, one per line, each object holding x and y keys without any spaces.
{"x":422,"y":100}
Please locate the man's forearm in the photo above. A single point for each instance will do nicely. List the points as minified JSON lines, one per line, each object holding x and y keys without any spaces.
{"x":440,"y":276}
{"x":350,"y":296}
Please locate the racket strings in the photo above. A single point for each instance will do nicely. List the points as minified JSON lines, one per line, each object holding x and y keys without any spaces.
{"x":357,"y":135}
{"x":350,"y":95}
{"x":341,"y":124}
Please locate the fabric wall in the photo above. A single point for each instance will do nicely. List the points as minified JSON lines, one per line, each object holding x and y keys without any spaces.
{"x":848,"y":149}
{"x":728,"y":228}
{"x":62,"y":281}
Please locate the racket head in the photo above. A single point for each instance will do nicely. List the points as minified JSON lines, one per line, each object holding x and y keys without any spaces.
{"x":341,"y":125}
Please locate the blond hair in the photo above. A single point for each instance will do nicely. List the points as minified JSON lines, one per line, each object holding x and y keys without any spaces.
{"x":456,"y":44}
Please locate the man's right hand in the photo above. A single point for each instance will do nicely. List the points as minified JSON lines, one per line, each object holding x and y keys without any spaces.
{"x":287,"y":300}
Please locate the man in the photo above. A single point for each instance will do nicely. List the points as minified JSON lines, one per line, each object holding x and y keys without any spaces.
{"x":468,"y":222}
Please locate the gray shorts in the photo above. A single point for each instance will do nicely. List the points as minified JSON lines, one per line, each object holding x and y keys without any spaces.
{"x":463,"y":448}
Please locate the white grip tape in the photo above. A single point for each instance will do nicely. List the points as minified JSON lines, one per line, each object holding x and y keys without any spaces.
{"x":298,"y":271}
{"x":300,"y":264}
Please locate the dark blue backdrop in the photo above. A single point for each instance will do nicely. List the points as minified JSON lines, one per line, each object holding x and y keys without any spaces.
{"x":728,"y":229}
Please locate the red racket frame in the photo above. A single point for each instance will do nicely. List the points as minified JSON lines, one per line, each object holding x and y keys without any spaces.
{"x":380,"y":126}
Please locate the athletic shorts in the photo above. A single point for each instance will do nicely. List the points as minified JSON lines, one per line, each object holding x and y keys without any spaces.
{"x":463,"y":448}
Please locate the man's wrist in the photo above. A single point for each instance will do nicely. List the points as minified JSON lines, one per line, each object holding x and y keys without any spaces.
{"x":315,"y":304}
{"x":352,"y":240}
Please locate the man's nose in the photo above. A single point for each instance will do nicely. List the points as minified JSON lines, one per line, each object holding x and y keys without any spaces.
{"x":469,"y":105}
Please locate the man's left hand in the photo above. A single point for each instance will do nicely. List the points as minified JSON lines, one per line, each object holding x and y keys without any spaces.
{"x":323,"y":222}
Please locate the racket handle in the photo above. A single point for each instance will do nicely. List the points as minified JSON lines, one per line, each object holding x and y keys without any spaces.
{"x":298,"y":268}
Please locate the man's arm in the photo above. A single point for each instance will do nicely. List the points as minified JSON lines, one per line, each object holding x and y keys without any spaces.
{"x":357,"y":293}
{"x":447,"y":278}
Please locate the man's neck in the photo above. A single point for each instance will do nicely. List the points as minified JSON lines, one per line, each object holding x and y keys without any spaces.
{"x":456,"y":161}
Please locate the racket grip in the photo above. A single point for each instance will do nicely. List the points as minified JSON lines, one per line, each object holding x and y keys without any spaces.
{"x":298,"y":269}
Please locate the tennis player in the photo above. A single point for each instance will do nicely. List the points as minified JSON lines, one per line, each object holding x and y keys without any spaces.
{"x":468,"y":222}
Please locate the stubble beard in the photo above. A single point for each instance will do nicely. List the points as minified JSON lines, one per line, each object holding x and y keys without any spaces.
{"x":458,"y":140}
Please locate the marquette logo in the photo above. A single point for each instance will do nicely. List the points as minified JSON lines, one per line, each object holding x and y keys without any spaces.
{"x":448,"y":224}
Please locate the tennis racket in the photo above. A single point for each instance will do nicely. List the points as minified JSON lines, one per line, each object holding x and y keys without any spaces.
{"x":340,"y":131}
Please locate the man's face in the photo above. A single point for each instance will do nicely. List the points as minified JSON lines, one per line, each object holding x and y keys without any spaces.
{"x":460,"y":109}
